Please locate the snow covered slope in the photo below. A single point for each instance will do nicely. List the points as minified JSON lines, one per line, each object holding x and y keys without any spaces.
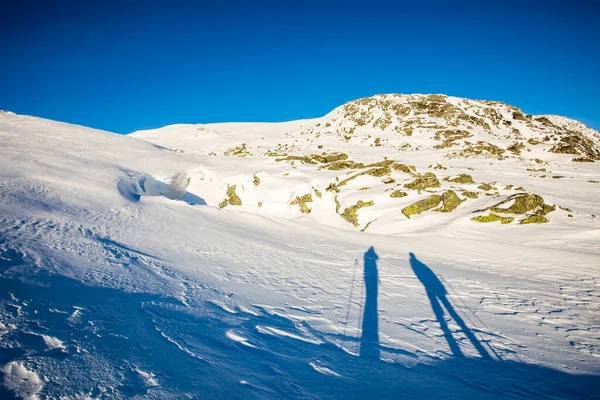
{"x":128,"y":267}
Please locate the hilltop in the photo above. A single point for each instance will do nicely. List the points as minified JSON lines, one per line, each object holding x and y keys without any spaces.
{"x":399,"y":163}
{"x":399,"y":246}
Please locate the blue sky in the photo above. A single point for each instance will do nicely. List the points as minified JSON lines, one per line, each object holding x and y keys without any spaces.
{"x":128,"y":65}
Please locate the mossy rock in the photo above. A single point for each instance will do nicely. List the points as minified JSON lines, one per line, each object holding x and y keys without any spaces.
{"x":462,"y":178}
{"x":519,"y":116}
{"x":350,"y":213}
{"x":516,"y":148}
{"x":337,"y":205}
{"x":318,"y":193}
{"x":493,"y":218}
{"x":256,"y":180}
{"x":470,"y":195}
{"x":407,"y":169}
{"x":365,"y":188}
{"x":341,"y":165}
{"x":377,"y":172}
{"x":582,"y":159}
{"x":333,"y":187}
{"x":422,"y":206}
{"x":485,"y":186}
{"x":547,"y":209}
{"x":523,"y":204}
{"x":534,"y":219}
{"x":429,"y":180}
{"x":449,"y":202}
{"x":329,"y":158}
{"x":260,"y":203}
{"x":398,"y":194}
{"x":520,"y":188}
{"x":232,"y":198}
{"x":301,"y":201}
{"x":383,"y":163}
{"x":367,"y":226}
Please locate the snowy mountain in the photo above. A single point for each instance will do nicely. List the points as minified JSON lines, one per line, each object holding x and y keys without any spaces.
{"x":421,"y":245}
{"x":399,"y":163}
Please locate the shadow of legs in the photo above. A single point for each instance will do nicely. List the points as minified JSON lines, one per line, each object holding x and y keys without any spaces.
{"x":454,"y":315}
{"x":439,"y":314}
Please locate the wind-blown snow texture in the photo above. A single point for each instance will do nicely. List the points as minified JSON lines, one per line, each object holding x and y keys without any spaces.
{"x":189,"y":262}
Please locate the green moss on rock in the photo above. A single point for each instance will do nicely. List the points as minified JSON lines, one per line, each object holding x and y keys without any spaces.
{"x":547,"y":209}
{"x":350,"y":213}
{"x":449,"y":202}
{"x":470,"y":195}
{"x":429,"y":180}
{"x":337,"y":205}
{"x":582,"y":159}
{"x":523,"y":203}
{"x":407,"y":169}
{"x":493,"y":218}
{"x":301,"y":201}
{"x":462,"y":178}
{"x":398,"y":194}
{"x":232,"y":198}
{"x":485,"y":186}
{"x":422,"y":206}
{"x":256,"y":180}
{"x":377,"y":172}
{"x":534,"y":219}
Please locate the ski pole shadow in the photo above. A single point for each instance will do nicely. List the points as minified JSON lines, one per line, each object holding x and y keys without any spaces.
{"x":369,"y":341}
{"x":437,"y":294}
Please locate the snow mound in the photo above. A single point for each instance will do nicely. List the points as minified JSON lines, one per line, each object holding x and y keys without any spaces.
{"x":174,"y":188}
{"x":23,"y":382}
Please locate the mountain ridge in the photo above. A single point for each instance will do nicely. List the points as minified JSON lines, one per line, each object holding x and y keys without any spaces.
{"x":414,"y":150}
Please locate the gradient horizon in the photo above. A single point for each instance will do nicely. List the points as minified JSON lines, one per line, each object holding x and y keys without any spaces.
{"x":130,"y":65}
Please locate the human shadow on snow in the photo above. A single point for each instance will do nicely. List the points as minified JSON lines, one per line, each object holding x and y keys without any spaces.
{"x":197,"y":349}
{"x":369,"y":341}
{"x":437,"y":294}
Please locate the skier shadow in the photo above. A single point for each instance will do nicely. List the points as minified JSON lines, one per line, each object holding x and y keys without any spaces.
{"x":437,"y":294}
{"x":369,"y":341}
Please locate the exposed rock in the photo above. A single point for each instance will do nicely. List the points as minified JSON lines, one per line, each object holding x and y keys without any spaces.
{"x":232,"y":198}
{"x":471,"y":195}
{"x":422,"y":206}
{"x":493,"y":218}
{"x":350,"y":213}
{"x":301,"y":201}
{"x":429,"y":180}
{"x":534,"y":219}
{"x":449,"y":202}
{"x":523,"y":203}
{"x":462,"y":178}
{"x":398,"y":194}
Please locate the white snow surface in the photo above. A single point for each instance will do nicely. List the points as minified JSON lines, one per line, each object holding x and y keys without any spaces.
{"x":114,"y":263}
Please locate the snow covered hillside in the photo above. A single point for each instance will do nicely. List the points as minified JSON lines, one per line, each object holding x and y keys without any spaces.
{"x":401,"y":246}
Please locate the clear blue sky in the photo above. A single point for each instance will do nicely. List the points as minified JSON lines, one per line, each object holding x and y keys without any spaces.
{"x":128,"y":65}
